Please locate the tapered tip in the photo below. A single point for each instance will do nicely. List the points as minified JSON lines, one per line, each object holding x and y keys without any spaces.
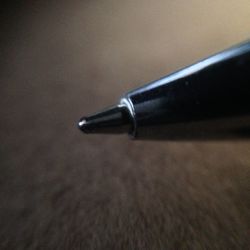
{"x":112,"y":120}
{"x":82,"y":125}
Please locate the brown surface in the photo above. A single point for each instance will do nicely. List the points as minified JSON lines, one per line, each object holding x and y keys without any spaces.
{"x":60,"y":189}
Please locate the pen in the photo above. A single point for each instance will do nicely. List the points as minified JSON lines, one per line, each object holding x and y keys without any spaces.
{"x":207,"y":100}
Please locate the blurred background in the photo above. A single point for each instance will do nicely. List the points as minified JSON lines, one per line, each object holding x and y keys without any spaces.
{"x":60,"y":189}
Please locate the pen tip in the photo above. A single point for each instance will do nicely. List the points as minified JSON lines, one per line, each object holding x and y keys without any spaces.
{"x":112,"y":120}
{"x":82,"y":125}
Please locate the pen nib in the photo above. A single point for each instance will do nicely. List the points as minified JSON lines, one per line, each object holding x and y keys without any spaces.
{"x":112,"y":120}
{"x":82,"y":125}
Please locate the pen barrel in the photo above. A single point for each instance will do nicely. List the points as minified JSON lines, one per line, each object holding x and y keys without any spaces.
{"x":207,"y":100}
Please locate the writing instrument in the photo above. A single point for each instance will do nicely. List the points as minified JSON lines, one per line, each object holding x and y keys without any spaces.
{"x":207,"y":100}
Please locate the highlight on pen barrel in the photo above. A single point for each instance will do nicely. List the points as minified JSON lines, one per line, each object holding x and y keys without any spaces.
{"x":114,"y":120}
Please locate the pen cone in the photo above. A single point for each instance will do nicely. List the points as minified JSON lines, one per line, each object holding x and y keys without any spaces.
{"x":112,"y":120}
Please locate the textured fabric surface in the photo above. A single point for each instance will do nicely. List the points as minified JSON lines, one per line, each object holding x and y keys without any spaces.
{"x":60,"y":189}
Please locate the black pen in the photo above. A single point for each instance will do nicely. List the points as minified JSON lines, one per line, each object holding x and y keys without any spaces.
{"x":207,"y":100}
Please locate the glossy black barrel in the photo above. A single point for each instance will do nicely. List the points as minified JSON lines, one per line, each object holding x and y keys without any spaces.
{"x":207,"y":100}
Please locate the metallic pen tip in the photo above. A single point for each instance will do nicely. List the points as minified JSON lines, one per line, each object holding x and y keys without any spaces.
{"x":112,"y":120}
{"x":82,"y":125}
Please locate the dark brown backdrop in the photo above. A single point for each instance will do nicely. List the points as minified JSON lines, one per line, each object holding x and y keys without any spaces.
{"x":60,"y":189}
